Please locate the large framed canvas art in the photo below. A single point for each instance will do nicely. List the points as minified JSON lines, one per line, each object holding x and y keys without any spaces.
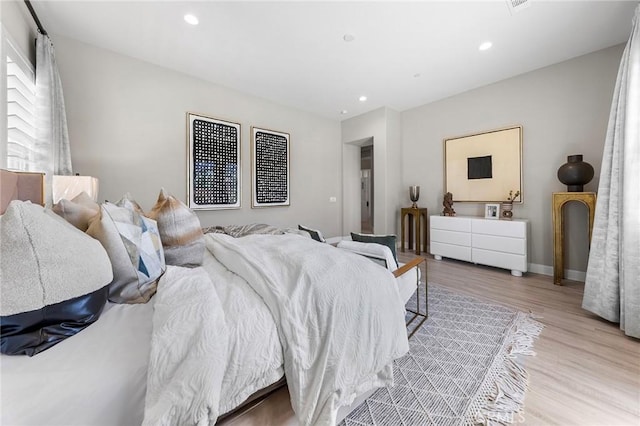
{"x":484,"y":167}
{"x":213,"y":163}
{"x":270,"y":155}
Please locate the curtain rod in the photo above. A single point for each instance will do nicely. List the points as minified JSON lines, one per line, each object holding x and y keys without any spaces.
{"x":35,"y":17}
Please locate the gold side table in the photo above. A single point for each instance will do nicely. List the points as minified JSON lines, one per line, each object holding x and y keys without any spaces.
{"x":415,"y":217}
{"x":559,"y":200}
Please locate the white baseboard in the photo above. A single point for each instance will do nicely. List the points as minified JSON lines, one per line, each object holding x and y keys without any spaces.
{"x":569,"y":274}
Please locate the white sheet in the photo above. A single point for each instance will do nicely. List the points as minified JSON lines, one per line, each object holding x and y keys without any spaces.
{"x":97,"y":377}
{"x":339,"y":316}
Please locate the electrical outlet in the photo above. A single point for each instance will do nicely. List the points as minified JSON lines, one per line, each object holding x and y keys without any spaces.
{"x":332,"y":199}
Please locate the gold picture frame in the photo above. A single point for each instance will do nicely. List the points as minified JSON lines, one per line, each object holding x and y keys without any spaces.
{"x":484,"y":167}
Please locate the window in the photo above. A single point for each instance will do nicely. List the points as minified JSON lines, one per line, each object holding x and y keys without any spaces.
{"x":20,"y":149}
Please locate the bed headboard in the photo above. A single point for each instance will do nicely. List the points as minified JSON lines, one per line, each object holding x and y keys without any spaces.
{"x":25,"y":186}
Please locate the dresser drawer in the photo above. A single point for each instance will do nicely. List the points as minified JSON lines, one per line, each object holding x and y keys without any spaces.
{"x":501,"y":244}
{"x":500,"y":260}
{"x":502,"y":228}
{"x":451,"y":237}
{"x":449,"y":223}
{"x":451,"y":251}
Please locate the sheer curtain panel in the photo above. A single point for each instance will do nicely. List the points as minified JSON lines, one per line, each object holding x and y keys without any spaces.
{"x":52,"y":137}
{"x":612,"y":285}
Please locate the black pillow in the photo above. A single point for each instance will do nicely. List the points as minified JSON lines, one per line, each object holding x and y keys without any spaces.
{"x":315,"y":234}
{"x":385,"y":240}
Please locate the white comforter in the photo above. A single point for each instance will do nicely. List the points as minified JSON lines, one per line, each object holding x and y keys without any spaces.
{"x":189,"y":349}
{"x":339,"y":316}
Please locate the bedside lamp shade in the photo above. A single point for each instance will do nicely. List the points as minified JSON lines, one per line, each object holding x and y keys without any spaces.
{"x":68,"y":187}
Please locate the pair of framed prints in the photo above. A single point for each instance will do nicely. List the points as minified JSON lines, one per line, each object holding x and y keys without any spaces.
{"x":214,"y":165}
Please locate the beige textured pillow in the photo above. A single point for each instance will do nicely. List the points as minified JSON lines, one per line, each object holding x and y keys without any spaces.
{"x":133,"y":244}
{"x":180,"y":231}
{"x":78,"y":211}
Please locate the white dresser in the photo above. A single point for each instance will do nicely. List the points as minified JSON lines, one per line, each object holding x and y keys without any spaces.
{"x":500,"y":243}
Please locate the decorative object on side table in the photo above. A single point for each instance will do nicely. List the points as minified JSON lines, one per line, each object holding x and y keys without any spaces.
{"x":575,"y":173}
{"x":507,"y":206}
{"x":414,"y":194}
{"x":448,"y":205}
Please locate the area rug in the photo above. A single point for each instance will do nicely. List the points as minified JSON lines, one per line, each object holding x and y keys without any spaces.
{"x":463,"y":367}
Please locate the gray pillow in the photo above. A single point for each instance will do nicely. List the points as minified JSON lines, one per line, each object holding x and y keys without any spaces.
{"x":387,"y":240}
{"x":135,"y":249}
{"x":53,"y":279}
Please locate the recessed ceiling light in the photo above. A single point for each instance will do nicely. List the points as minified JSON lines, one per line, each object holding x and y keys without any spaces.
{"x":191,"y":19}
{"x":344,"y":111}
{"x":348,"y":37}
{"x":485,"y":45}
{"x":362,"y":98}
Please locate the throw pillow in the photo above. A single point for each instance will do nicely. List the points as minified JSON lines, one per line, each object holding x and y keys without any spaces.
{"x":133,"y":244}
{"x":315,"y":234}
{"x":53,"y":279}
{"x":128,"y":202}
{"x":180,"y":231}
{"x":387,"y":240}
{"x":78,"y":211}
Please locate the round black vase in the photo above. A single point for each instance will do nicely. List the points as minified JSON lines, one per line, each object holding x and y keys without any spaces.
{"x":575,"y":173}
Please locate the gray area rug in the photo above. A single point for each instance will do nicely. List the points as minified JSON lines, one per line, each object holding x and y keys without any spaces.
{"x":462,"y":367}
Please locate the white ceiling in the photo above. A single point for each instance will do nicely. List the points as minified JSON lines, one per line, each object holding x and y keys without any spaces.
{"x":293,"y":53}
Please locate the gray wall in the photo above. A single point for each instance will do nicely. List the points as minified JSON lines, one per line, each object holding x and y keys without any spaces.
{"x":383,"y":125}
{"x":127,"y":126}
{"x":564,"y":110}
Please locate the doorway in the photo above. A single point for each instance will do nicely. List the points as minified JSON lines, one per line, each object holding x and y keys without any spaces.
{"x":366,"y":189}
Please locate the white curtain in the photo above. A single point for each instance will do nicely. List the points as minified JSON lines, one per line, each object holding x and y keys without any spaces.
{"x":52,"y":137}
{"x":612,"y":286}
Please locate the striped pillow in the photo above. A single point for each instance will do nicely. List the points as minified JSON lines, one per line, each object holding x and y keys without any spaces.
{"x":180,"y":231}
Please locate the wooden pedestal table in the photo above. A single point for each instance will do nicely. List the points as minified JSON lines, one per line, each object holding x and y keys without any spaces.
{"x":416,"y":215}
{"x":559,"y":200}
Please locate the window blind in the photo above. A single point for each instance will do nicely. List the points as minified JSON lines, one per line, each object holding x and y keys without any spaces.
{"x":20,"y":113}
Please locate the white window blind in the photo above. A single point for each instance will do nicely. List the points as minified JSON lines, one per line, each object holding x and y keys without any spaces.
{"x":20,"y":112}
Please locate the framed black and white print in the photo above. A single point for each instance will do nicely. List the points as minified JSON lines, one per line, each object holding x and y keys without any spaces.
{"x":213,"y":163}
{"x":270,"y":167}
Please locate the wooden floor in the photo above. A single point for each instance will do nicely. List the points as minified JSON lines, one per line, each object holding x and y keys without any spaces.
{"x":586,"y":371}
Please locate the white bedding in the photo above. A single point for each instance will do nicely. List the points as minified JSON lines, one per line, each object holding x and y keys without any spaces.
{"x":99,"y":376}
{"x":255,"y":354}
{"x":339,"y":316}
{"x":189,"y":348}
{"x":96,"y":377}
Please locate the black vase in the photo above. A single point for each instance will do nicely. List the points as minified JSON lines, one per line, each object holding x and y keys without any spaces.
{"x":575,"y":173}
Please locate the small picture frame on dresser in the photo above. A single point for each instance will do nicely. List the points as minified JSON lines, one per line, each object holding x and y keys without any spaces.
{"x":492,"y":211}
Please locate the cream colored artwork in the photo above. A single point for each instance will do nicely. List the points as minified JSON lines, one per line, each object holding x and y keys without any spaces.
{"x":484,"y":167}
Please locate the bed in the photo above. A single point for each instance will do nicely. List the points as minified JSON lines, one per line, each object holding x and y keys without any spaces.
{"x":216,"y":342}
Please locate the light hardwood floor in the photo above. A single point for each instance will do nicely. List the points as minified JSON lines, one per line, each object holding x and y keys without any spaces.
{"x":586,"y":371}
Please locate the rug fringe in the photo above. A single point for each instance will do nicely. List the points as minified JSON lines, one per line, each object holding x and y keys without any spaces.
{"x":501,"y":397}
